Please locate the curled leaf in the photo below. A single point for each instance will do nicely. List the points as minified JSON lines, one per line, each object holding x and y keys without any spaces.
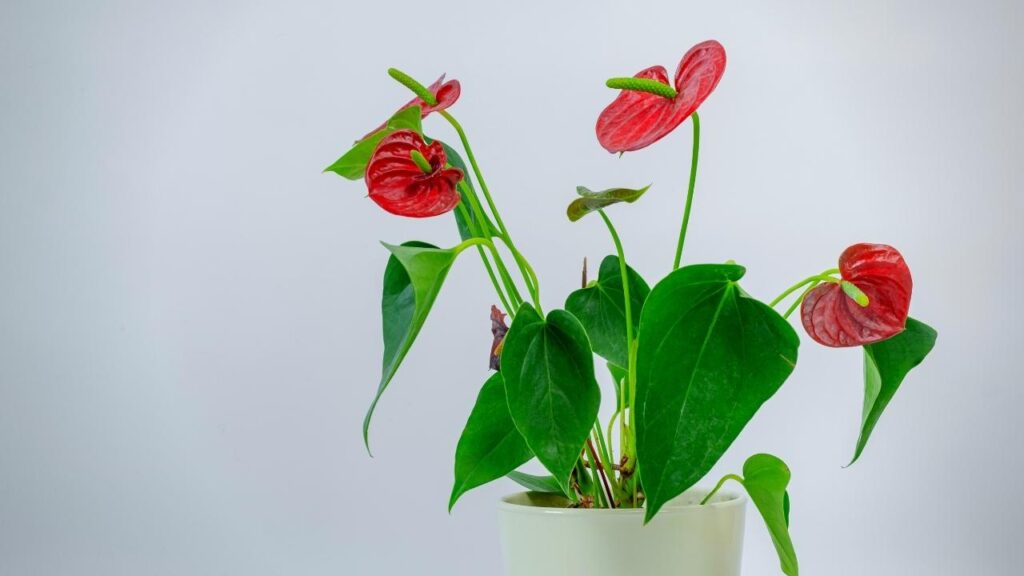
{"x":590,"y":201}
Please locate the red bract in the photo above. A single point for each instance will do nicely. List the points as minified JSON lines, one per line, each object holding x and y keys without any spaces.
{"x":636,"y":119}
{"x":401,"y":187}
{"x":834,"y":319}
{"x":446,"y":94}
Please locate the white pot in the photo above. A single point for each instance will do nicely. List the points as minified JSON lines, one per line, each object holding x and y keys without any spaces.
{"x":539,"y":538}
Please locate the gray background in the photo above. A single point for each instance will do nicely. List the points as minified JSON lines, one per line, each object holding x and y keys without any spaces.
{"x":189,"y":328}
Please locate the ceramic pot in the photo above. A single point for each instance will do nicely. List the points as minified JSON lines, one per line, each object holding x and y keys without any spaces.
{"x":541,"y":537}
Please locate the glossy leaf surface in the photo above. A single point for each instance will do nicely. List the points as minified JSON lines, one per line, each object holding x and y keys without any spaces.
{"x":601,"y":309}
{"x":352,"y":164}
{"x":412,"y":279}
{"x":552,"y":393}
{"x":886,"y":364}
{"x":590,"y":201}
{"x":534,"y":483}
{"x":490,"y":446}
{"x":708,"y":357}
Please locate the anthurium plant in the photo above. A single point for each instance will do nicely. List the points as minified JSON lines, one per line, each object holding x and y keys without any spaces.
{"x":692,"y":356}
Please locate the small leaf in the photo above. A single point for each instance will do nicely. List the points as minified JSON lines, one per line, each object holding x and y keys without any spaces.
{"x":601,"y":309}
{"x":552,"y":393}
{"x":765,"y":478}
{"x":490,"y":446}
{"x":619,"y":374}
{"x":708,"y":357}
{"x":412,"y":279}
{"x":590,"y":201}
{"x":352,"y":164}
{"x":886,"y":364}
{"x":544,"y":484}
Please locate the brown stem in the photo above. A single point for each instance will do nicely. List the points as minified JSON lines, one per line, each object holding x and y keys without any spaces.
{"x":600,"y":472}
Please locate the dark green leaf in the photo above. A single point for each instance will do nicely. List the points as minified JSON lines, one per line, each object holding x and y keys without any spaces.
{"x":886,"y":364}
{"x":412,"y":280}
{"x":765,"y":478}
{"x":490,"y":446}
{"x":601,"y":309}
{"x":590,"y":201}
{"x":708,"y":357}
{"x":619,"y":374}
{"x":552,"y":394}
{"x":545,"y":484}
{"x":785,"y":507}
{"x":352,"y":164}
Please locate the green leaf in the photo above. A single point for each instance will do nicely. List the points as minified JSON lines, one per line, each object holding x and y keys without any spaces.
{"x":618,"y":375}
{"x":600,"y":307}
{"x":412,"y":279}
{"x":765,"y":478}
{"x":455,"y":160}
{"x":552,"y":393}
{"x":590,"y":201}
{"x":708,"y":357}
{"x":490,"y":446}
{"x":544,"y":484}
{"x":886,"y":364}
{"x":352,"y":164}
{"x":785,"y":507}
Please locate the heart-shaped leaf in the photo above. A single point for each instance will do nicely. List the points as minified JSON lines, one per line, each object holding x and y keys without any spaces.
{"x":533,"y":483}
{"x":590,"y":201}
{"x":352,"y":164}
{"x":490,"y":446}
{"x":412,"y":279}
{"x":886,"y":364}
{"x":708,"y":357}
{"x":601,"y":309}
{"x":765,"y":478}
{"x":552,"y":393}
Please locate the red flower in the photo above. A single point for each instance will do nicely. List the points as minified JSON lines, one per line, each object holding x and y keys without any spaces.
{"x":637,"y":119}
{"x":834,"y":319}
{"x":401,"y":186}
{"x":446,"y":94}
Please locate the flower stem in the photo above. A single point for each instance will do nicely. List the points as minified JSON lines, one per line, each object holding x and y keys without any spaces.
{"x":601,"y":473}
{"x":487,"y":263}
{"x":524,"y":267}
{"x":796,"y":303}
{"x":825,"y":276}
{"x":630,"y":381}
{"x":719,"y":486}
{"x":689,"y":191}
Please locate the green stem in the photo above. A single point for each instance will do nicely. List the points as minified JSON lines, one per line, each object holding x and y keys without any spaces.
{"x":719,"y":486}
{"x":606,"y":457}
{"x":474,"y":202}
{"x":825,"y":276}
{"x":487,"y":263}
{"x":689,"y":191}
{"x":631,"y":354}
{"x":528,"y":275}
{"x":796,"y":303}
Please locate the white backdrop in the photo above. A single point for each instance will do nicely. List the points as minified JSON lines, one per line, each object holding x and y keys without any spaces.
{"x":189,"y":329}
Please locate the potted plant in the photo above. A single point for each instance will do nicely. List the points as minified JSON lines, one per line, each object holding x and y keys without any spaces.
{"x":692,"y":357}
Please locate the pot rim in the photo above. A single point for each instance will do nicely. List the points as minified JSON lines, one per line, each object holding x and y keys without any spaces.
{"x":723,"y":499}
